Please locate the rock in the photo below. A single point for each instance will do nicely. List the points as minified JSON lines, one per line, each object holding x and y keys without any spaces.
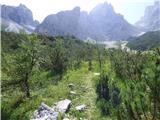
{"x":72,"y":93}
{"x":55,"y":103}
{"x":44,"y":112}
{"x":81,"y":107}
{"x":65,"y":118}
{"x":96,"y":74}
{"x":63,"y":105}
{"x":71,"y":85}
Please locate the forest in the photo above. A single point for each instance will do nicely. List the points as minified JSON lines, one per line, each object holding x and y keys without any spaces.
{"x":115,"y":84}
{"x":147,"y":41}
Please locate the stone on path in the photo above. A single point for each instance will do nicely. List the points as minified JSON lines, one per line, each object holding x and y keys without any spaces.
{"x":71,"y":85}
{"x":81,"y":107}
{"x":72,"y":93}
{"x":45,"y":112}
{"x":96,"y":74}
{"x":62,"y":106}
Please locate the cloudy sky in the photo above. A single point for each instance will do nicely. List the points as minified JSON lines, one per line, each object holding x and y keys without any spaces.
{"x":131,"y":9}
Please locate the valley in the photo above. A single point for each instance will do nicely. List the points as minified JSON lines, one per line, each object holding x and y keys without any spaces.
{"x":92,"y":76}
{"x":78,"y":65}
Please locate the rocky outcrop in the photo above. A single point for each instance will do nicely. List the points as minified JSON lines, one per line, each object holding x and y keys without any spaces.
{"x":102,"y":23}
{"x":151,"y":19}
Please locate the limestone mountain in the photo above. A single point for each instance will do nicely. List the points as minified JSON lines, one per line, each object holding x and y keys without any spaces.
{"x":17,"y":18}
{"x":62,"y":23}
{"x":151,"y":19}
{"x":102,"y":23}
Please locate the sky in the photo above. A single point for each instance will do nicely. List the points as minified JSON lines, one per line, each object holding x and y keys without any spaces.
{"x":132,"y":10}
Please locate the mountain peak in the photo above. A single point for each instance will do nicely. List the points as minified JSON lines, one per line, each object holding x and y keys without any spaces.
{"x":103,"y":9}
{"x":150,"y":20}
{"x":76,"y":9}
{"x":99,"y":24}
{"x":157,"y":2}
{"x":104,"y":6}
{"x":19,"y":16}
{"x":22,"y":6}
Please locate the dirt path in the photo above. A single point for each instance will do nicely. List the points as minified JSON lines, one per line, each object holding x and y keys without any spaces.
{"x":86,"y":94}
{"x":90,"y":96}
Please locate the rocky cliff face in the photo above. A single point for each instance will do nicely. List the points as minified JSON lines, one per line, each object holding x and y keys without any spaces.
{"x":110,"y":25}
{"x":102,"y":23}
{"x":19,"y":16}
{"x":151,"y":19}
{"x":62,"y":23}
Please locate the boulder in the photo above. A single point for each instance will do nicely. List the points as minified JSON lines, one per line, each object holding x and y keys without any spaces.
{"x":62,"y":106}
{"x":81,"y":107}
{"x":44,"y":112}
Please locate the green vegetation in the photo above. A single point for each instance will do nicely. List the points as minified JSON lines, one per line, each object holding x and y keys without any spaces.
{"x":35,"y":65}
{"x":146,"y":41}
{"x":134,"y":88}
{"x":38,"y":69}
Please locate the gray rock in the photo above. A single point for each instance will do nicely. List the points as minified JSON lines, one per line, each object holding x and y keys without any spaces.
{"x":71,"y":85}
{"x":44,"y":112}
{"x":72,"y":93}
{"x":62,"y":106}
{"x":65,"y":118}
{"x":81,"y":107}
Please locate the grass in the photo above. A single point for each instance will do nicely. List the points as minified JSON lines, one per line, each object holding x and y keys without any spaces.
{"x":49,"y":93}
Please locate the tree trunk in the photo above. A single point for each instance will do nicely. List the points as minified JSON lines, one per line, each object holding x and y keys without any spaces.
{"x":130,"y":111}
{"x":90,"y":65}
{"x":156,"y":91}
{"x":26,"y":86}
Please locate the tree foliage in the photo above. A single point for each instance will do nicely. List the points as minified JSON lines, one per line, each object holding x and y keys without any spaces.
{"x":137,"y":79}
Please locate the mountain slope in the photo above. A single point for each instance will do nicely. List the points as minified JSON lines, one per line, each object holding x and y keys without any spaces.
{"x":151,"y":19}
{"x":102,"y":23}
{"x":61,"y":24}
{"x":17,"y":18}
{"x":146,"y":41}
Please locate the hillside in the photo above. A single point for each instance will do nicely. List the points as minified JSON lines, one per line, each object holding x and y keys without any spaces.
{"x":38,"y":72}
{"x":146,"y":41}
